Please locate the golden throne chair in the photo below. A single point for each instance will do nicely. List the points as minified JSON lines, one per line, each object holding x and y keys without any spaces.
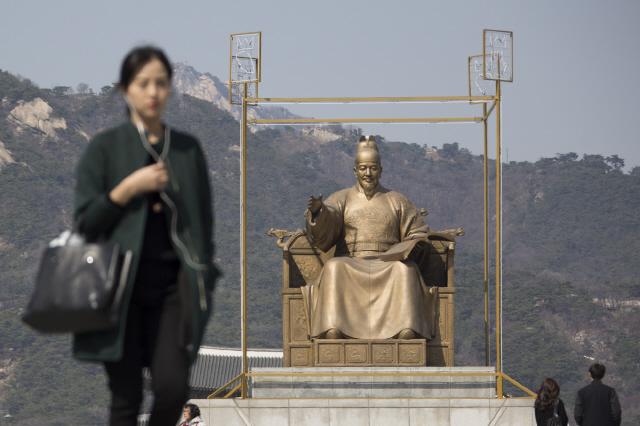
{"x":301,"y":265}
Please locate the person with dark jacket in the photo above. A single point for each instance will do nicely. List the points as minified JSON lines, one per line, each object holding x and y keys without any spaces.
{"x":545,"y":404}
{"x":597,"y":404}
{"x":146,"y":187}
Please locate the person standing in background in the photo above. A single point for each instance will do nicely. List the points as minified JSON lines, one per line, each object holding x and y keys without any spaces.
{"x":192,"y":416}
{"x":545,"y":405}
{"x":597,"y":404}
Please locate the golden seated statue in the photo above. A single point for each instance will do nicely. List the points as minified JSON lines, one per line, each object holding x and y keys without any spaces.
{"x":367,"y":283}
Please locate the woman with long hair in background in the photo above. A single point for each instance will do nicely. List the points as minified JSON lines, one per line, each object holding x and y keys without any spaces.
{"x":545,"y":405}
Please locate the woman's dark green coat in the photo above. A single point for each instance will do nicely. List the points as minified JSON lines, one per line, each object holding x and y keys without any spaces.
{"x":112,"y":156}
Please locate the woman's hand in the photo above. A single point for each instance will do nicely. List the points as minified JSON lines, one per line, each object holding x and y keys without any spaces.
{"x":152,"y":178}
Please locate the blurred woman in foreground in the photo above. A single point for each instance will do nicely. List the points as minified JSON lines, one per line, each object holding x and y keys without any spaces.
{"x":146,"y":187}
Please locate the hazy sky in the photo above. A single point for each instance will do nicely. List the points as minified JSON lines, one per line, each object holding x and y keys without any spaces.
{"x":574,"y":61}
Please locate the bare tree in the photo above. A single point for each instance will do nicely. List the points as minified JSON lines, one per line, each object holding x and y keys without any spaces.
{"x":82,"y":88}
{"x":62,"y":90}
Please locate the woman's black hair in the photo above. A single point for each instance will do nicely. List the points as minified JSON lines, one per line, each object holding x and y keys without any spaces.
{"x":194,"y":411}
{"x":136,"y":59}
{"x":547,"y":394}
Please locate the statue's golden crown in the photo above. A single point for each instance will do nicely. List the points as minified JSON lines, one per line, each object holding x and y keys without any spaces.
{"x":367,"y":150}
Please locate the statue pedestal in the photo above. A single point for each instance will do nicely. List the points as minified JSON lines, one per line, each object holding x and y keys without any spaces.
{"x":369,"y":353}
{"x":367,"y":412}
{"x":373,"y":386}
{"x":369,"y":400}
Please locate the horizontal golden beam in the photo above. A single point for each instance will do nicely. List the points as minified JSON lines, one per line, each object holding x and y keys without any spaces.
{"x":378,"y":99}
{"x":367,"y":374}
{"x":368,"y":120}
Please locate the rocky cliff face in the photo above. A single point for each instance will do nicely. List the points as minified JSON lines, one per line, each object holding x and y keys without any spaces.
{"x":209,"y":88}
{"x":187,"y":80}
{"x":5,"y":156}
{"x":323,"y":134}
{"x":35,"y":115}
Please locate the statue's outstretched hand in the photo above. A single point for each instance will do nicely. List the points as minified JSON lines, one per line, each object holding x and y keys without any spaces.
{"x":315,"y":204}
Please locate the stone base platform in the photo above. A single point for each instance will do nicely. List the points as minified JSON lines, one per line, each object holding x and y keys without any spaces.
{"x":373,"y":386}
{"x":367,"y":412}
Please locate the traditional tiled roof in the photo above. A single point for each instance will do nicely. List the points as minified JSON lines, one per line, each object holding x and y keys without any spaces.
{"x":214,"y":367}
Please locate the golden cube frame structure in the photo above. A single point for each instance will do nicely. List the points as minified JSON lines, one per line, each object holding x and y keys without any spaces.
{"x":506,"y":40}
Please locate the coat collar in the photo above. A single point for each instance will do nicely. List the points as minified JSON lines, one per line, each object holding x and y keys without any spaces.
{"x":377,"y":193}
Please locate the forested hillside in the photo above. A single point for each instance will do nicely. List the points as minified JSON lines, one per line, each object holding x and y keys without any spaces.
{"x":571,"y":292}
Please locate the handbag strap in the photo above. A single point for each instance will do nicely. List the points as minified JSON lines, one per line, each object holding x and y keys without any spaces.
{"x":76,"y":229}
{"x":555,"y":408}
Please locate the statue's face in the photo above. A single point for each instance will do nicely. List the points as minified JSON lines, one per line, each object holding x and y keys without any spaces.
{"x":368,"y":174}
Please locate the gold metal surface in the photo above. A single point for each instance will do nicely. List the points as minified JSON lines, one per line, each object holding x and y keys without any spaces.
{"x":381,"y":99}
{"x":232,"y":391}
{"x":302,"y":264}
{"x":219,"y":391}
{"x":367,"y":223}
{"x":369,"y":353}
{"x":486,"y":236}
{"x":367,"y":120}
{"x":487,"y":114}
{"x":469,"y":77}
{"x":230,"y":66}
{"x":504,"y":376}
{"x":243,"y":178}
{"x":498,"y":244}
{"x":371,"y":373}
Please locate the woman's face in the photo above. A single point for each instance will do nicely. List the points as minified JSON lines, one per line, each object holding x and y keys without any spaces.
{"x":149,"y":90}
{"x":187,"y":414}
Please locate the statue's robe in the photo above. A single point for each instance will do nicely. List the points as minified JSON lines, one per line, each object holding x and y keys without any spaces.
{"x":356,"y":292}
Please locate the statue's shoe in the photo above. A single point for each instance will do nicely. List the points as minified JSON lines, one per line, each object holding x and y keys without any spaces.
{"x":334,"y":333}
{"x":406,"y":334}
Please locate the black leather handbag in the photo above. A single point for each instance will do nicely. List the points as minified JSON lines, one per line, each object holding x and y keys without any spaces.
{"x":80,"y":288}
{"x":555,"y":420}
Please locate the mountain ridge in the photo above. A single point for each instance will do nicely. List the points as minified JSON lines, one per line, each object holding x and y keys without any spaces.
{"x":207,"y":87}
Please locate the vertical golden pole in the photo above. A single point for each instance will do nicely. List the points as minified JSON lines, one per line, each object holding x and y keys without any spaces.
{"x":231,"y":69}
{"x":243,"y":238}
{"x":486,"y":238}
{"x":498,"y":244}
